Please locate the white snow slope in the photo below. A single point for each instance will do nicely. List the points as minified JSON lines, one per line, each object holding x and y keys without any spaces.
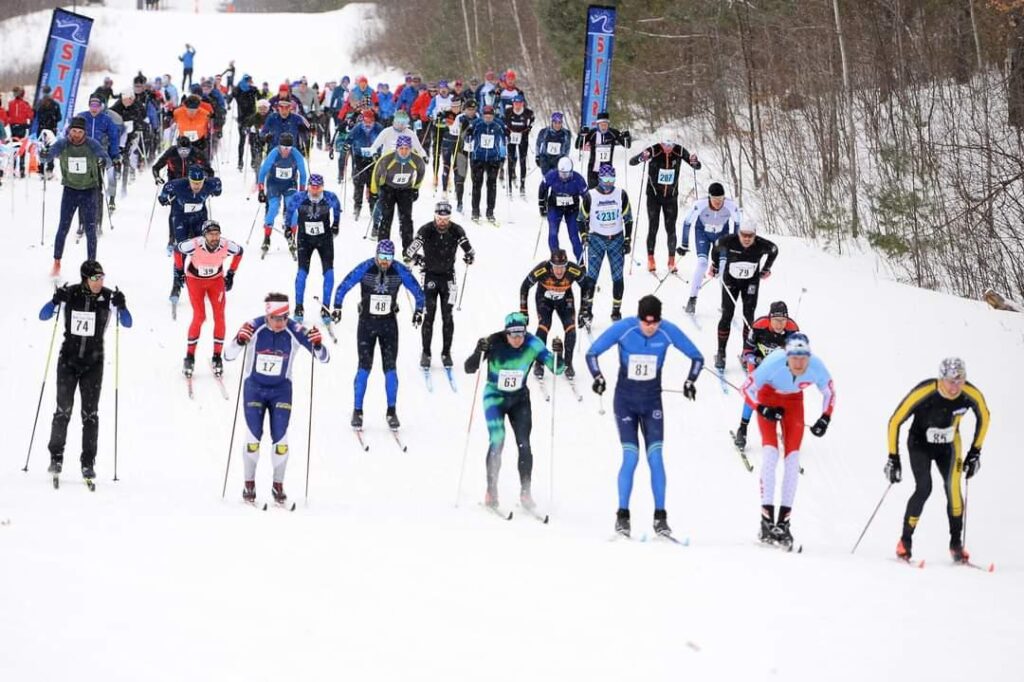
{"x":380,"y":576}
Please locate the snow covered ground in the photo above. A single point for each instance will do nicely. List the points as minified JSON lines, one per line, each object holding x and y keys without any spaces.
{"x":381,"y":576}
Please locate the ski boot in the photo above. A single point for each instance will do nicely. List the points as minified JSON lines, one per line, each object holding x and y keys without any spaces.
{"x":278,"y":490}
{"x":446,"y":360}
{"x":661,"y":523}
{"x":616,"y":313}
{"x":672,"y":264}
{"x":249,"y":492}
{"x":56,"y":466}
{"x":720,"y":361}
{"x":651,"y":266}
{"x":88,"y":472}
{"x":622,"y":522}
{"x":741,"y":437}
{"x":300,"y":313}
{"x":356,"y":212}
{"x":55,"y":270}
{"x":959,"y":554}
{"x":767,"y":536}
{"x":357,"y":419}
{"x":586,"y":316}
{"x":490,"y":217}
{"x":189,"y":366}
{"x":691,"y":305}
{"x":325,"y":317}
{"x":425,"y":360}
{"x":392,"y":418}
{"x":217,"y":365}
{"x":458,"y":207}
{"x":175,"y":290}
{"x":781,"y":534}
{"x":570,"y":373}
{"x":526,"y":500}
{"x":293,"y":247}
{"x":475,"y":216}
{"x":903,"y":548}
{"x":491,"y":498}
{"x":239,"y":166}
{"x":266,"y":244}
{"x":110,"y":204}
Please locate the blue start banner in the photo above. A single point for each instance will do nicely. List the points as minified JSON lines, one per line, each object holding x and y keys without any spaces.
{"x":63,"y":61}
{"x":597,"y":62}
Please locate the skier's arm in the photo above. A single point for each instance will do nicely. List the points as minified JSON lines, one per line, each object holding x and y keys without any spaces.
{"x":627,"y":216}
{"x":772,"y":250}
{"x":691,"y":218}
{"x":528,"y":282}
{"x":301,"y":336}
{"x":416,"y":244}
{"x":981,"y":415}
{"x":332,"y":201}
{"x":350,"y":281}
{"x":215,"y":186}
{"x":265,"y":167}
{"x":235,"y":250}
{"x":54,"y":150}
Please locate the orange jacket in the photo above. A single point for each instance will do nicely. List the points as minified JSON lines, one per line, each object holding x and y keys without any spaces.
{"x":196,"y":126}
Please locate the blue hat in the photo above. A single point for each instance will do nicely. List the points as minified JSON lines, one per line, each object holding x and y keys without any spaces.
{"x":196,"y":173}
{"x":798,"y":344}
{"x":606,"y":171}
{"x":386,"y":247}
{"x":557,"y":117}
{"x":403,"y":141}
{"x":515,"y":323}
{"x":316,"y":180}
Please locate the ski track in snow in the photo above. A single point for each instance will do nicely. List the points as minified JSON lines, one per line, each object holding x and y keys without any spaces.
{"x":155,"y":577}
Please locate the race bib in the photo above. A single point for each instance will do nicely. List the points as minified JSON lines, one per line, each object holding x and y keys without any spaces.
{"x":380,"y":304}
{"x":666,"y":176}
{"x":315,"y":229}
{"x":562,"y":200}
{"x":78,"y":165}
{"x":401,"y":178}
{"x":208,"y":270}
{"x":192,"y":135}
{"x":742,"y":270}
{"x":192,"y":207}
{"x":514,"y":138}
{"x":417,"y":124}
{"x":554,"y":148}
{"x":510,"y":380}
{"x":269,"y":365}
{"x":467,"y":146}
{"x":643,"y":367}
{"x":367,"y":151}
{"x":487,"y":142}
{"x":129,"y":126}
{"x":554,"y":295}
{"x":283,"y":173}
{"x":603,"y":153}
{"x":83,"y":323}
{"x":940,"y":436}
{"x":453,"y":293}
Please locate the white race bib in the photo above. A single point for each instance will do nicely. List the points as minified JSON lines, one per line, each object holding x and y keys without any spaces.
{"x":666,"y":176}
{"x":510,"y":380}
{"x":207,"y":270}
{"x":467,"y":146}
{"x":192,"y":135}
{"x":417,"y":124}
{"x":283,"y":173}
{"x":562,"y":200}
{"x":315,"y":229}
{"x":643,"y":367}
{"x":380,"y":304}
{"x":940,"y":436}
{"x":742,"y":270}
{"x":367,"y":151}
{"x":453,"y":293}
{"x":129,"y":126}
{"x":554,"y":295}
{"x":269,"y":364}
{"x":603,"y":153}
{"x":401,"y":178}
{"x":515,"y":138}
{"x":192,"y":207}
{"x":487,"y":142}
{"x":78,"y":165}
{"x":554,"y":148}
{"x":83,"y":323}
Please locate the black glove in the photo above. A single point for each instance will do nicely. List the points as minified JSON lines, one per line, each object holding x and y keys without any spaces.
{"x":689,"y":389}
{"x":600,"y":385}
{"x":262,"y":196}
{"x":683,"y":250}
{"x":268,"y":138}
{"x":220,"y":134}
{"x":770,"y":413}
{"x":179,"y":277}
{"x":893,"y":469}
{"x":821,"y":426}
{"x":116,"y":162}
{"x":417,"y":318}
{"x":469,"y":258}
{"x":330,"y":153}
{"x":336,"y":315}
{"x":536,"y":162}
{"x":118,"y":300}
{"x":156,"y":178}
{"x":417,"y":260}
{"x":972,"y":463}
{"x":627,"y":139}
{"x":334,"y":230}
{"x":60,"y":295}
{"x":557,"y":345}
{"x":543,"y":205}
{"x":415,"y":194}
{"x":627,"y":244}
{"x":229,"y":280}
{"x":164,"y":200}
{"x":483,"y":345}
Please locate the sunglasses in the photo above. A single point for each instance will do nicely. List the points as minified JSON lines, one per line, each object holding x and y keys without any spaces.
{"x":277,"y":318}
{"x":96,"y":278}
{"x":650,"y":320}
{"x":608,"y":180}
{"x":386,"y":257}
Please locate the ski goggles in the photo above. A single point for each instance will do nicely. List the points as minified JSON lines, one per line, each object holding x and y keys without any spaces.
{"x":607,"y":179}
{"x":386,"y":257}
{"x":97,"y":278}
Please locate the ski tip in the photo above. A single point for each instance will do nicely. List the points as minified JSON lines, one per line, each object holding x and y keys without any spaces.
{"x":546,"y":519}
{"x":509,"y":517}
{"x":991,"y":568}
{"x":264,"y":507}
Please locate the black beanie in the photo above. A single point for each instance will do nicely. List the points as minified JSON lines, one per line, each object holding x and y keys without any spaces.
{"x":650,"y":306}
{"x":715,"y":189}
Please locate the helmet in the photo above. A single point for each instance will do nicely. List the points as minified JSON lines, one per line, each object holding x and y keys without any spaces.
{"x":557,"y":117}
{"x":515,"y":323}
{"x":90,"y":268}
{"x":386,"y":247}
{"x":196,"y":173}
{"x":183,"y":142}
{"x":952,"y":368}
{"x":565,"y":165}
{"x":403,"y":141}
{"x":316,"y":180}
{"x":211,"y":226}
{"x":286,"y":140}
{"x":798,"y":344}
{"x":139,"y":79}
{"x":778,"y":309}
{"x":559,"y":257}
{"x":443,"y":207}
{"x":715,"y":189}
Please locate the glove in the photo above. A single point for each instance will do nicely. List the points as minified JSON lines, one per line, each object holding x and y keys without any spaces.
{"x":584,"y":238}
{"x":821,"y":426}
{"x":683,"y":250}
{"x":164,"y":200}
{"x":482,"y":345}
{"x":627,"y":139}
{"x":694,"y":161}
{"x":268,"y":138}
{"x":229,"y":280}
{"x":972,"y":463}
{"x":336,"y":315}
{"x":713,"y":271}
{"x":417,"y":260}
{"x":645,"y":155}
{"x":469,"y":258}
{"x":346,"y":148}
{"x":536,"y":162}
{"x":157,"y":179}
{"x":627,"y":244}
{"x":557,"y":345}
{"x":330,"y":153}
{"x":314,"y":336}
{"x":116,"y":162}
{"x":220,"y":134}
{"x":334,"y":230}
{"x":765,"y":274}
{"x":543,"y":208}
{"x":689,"y":389}
{"x":770,"y":413}
{"x":600,"y":385}
{"x":118,"y":300}
{"x":60,"y":295}
{"x":262,"y":196}
{"x":179,"y":277}
{"x":415,"y":194}
{"x":170,"y":248}
{"x":244,"y":335}
{"x":893,"y":469}
{"x":417,"y":318}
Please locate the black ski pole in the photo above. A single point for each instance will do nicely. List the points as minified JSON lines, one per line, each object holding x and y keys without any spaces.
{"x":46,"y":372}
{"x":309,"y":436}
{"x":234,"y":422}
{"x":872,"y":518}
{"x":967,"y":483}
{"x":152,"y":212}
{"x":117,"y":377}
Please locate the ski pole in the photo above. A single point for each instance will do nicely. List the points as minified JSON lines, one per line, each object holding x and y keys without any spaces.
{"x":967,"y":483}
{"x":554,"y":392}
{"x":872,"y":518}
{"x":540,"y":228}
{"x":42,"y":226}
{"x":469,"y":427}
{"x":462,"y":289}
{"x":234,"y":422}
{"x":803,"y":290}
{"x":253,"y":226}
{"x":152,"y":212}
{"x":735,"y":303}
{"x":639,"y":215}
{"x":117,"y":377}
{"x":309,"y":436}
{"x":716,"y":375}
{"x":46,"y":371}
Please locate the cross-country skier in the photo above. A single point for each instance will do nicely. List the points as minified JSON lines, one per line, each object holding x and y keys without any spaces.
{"x":187,"y":60}
{"x":710,"y":218}
{"x":314,"y":216}
{"x":395,"y":182}
{"x":554,"y":279}
{"x":379,"y":280}
{"x":552,"y":144}
{"x":386,"y":138}
{"x":664,"y":162}
{"x":559,"y":197}
{"x":283,"y":121}
{"x":738,"y":257}
{"x":509,"y":354}
{"x":518,"y":124}
{"x":439,"y":240}
{"x":937,"y":406}
{"x":87,"y":307}
{"x":606,"y":220}
{"x":775,"y":390}
{"x":767,"y":333}
{"x":282,"y":172}
{"x":463,"y":129}
{"x":642,"y":342}
{"x":187,"y":198}
{"x":601,"y":140}
{"x":206,"y":279}
{"x":360,"y":144}
{"x":178,"y":159}
{"x":488,"y":139}
{"x":268,"y":384}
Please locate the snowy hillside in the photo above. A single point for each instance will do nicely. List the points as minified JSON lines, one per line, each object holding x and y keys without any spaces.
{"x":381,"y":576}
